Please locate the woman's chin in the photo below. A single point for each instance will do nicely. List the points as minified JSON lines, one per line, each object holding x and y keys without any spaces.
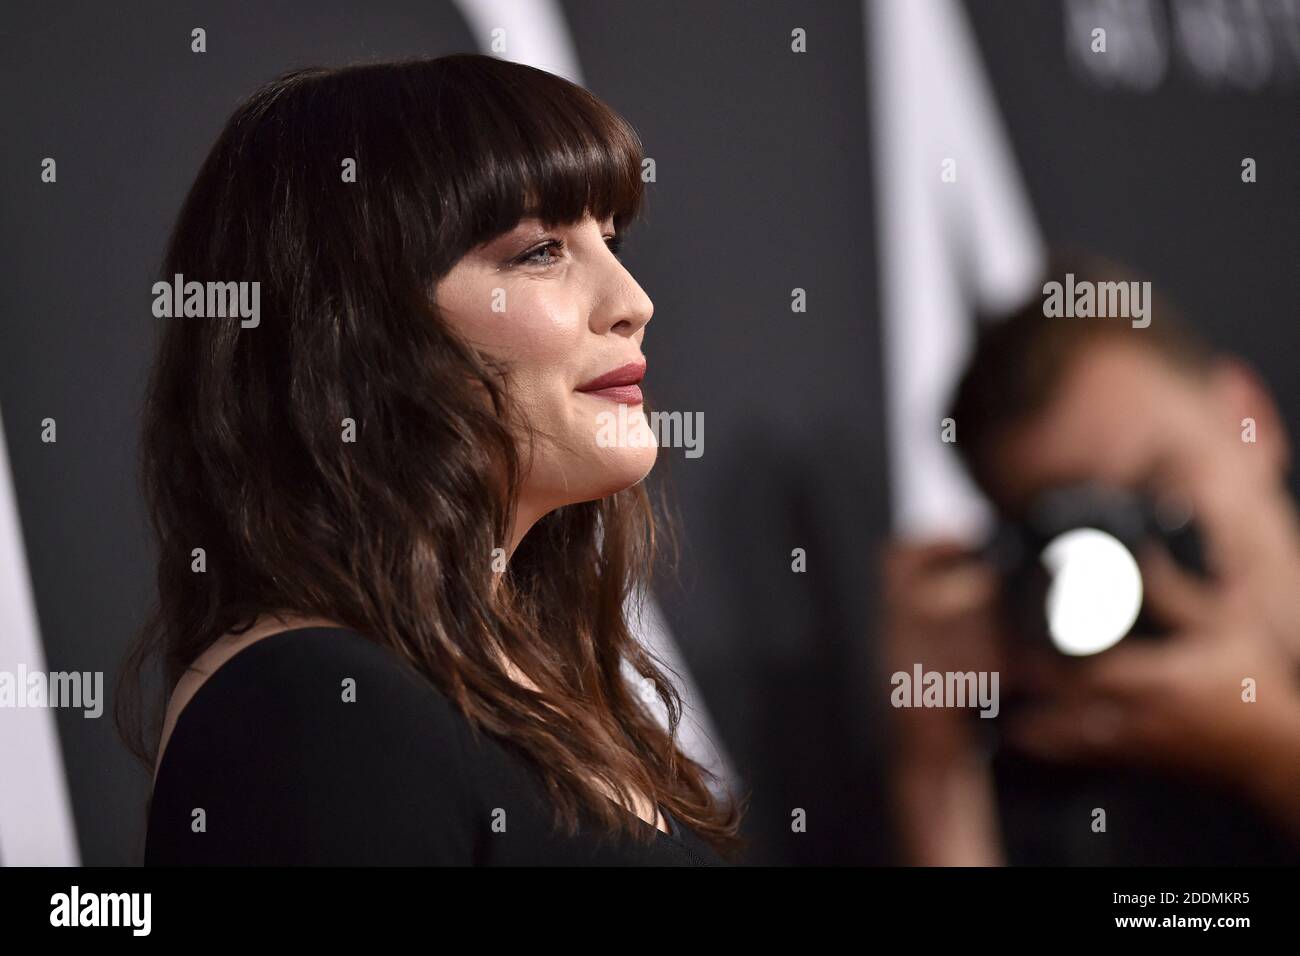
{"x":612,"y":471}
{"x":626,"y":467}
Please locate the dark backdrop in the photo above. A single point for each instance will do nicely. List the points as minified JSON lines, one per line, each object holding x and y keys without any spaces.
{"x":764,"y":184}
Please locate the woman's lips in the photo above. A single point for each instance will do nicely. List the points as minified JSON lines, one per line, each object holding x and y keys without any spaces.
{"x":620,"y":385}
{"x":623,"y":394}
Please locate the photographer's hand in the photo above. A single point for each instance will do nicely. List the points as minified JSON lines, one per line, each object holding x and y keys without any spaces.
{"x":940,"y":612}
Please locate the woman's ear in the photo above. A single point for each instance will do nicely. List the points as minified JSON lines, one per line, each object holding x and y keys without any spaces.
{"x":1243,"y":394}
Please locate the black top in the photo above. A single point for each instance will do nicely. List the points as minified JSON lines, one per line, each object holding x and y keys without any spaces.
{"x":287,"y":771}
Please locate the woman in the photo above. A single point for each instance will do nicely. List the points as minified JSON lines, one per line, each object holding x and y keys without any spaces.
{"x":394,"y":549}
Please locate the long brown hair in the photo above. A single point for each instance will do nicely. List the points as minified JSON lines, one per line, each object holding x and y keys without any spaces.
{"x":393,"y":534}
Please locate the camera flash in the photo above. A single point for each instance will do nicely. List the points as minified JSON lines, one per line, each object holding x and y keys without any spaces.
{"x":1095,"y":594}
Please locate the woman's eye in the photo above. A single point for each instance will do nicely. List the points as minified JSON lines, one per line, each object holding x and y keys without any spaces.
{"x":543,"y":255}
{"x":548,"y":253}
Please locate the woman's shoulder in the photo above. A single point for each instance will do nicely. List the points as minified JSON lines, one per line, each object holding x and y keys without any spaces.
{"x":315,"y":744}
{"x":309,"y":675}
{"x":314,"y":653}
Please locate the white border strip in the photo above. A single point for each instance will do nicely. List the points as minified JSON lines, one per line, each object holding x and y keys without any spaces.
{"x":36,"y":826}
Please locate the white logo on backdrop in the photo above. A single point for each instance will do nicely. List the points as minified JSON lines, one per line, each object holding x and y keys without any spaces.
{"x":941,"y":243}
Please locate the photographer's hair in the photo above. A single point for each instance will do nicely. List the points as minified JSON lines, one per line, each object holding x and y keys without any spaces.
{"x":1019,"y":359}
{"x":393,"y":534}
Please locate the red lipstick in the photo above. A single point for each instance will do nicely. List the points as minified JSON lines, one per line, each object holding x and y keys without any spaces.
{"x":622,"y":384}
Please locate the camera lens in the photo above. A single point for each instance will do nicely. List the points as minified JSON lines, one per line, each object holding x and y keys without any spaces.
{"x":1071,"y":574}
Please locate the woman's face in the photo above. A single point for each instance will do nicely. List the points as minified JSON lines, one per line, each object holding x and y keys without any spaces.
{"x":558,"y":307}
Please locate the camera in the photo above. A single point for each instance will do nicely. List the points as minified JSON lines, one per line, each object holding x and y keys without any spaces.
{"x":1070,"y":567}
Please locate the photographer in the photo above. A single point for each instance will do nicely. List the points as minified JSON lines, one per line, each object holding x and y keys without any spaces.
{"x":1189,"y":741}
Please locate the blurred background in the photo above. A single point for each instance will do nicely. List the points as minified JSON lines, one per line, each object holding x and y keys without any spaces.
{"x":798,"y":146}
